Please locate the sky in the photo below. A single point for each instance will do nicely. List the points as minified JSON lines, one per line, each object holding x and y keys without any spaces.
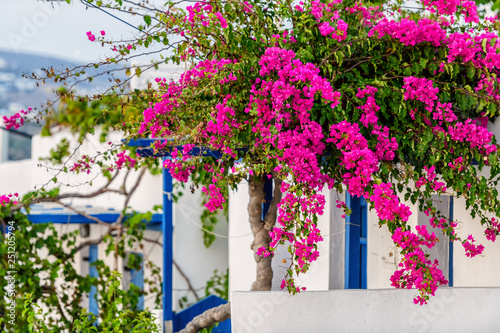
{"x":58,"y":30}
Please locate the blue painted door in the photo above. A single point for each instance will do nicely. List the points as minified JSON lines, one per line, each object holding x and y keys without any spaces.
{"x":356,"y":243}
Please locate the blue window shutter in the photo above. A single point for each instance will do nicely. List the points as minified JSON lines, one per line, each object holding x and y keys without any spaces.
{"x":93,"y":257}
{"x":450,"y":269}
{"x":137,"y":278}
{"x":355,"y":269}
{"x":268,"y":189}
{"x":363,"y":240}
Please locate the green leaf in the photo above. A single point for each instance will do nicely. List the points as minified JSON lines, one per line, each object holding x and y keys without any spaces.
{"x":471,"y":71}
{"x":423,"y":62}
{"x":147,"y":19}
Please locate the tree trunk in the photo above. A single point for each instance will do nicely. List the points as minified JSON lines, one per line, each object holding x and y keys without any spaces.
{"x":260,"y":231}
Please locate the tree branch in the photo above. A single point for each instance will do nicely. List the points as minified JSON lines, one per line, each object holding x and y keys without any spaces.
{"x":190,"y":286}
{"x":264,"y":272}
{"x":208,"y":318}
{"x":184,"y":276}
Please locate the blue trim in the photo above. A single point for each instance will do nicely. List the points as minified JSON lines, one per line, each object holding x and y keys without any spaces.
{"x":167,"y":230}
{"x":144,"y":149}
{"x":137,"y":278}
{"x":149,"y":152}
{"x":185,"y":316}
{"x":355,"y":268}
{"x":268,"y":189}
{"x":57,"y":217}
{"x":347,"y":264}
{"x":450,"y":261}
{"x":363,"y":240}
{"x":143,"y":142}
{"x":93,"y":257}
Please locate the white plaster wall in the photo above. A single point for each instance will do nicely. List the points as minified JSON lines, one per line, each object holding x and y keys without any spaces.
{"x":484,"y":269}
{"x":241,"y":262}
{"x":196,"y":261}
{"x":385,"y":310}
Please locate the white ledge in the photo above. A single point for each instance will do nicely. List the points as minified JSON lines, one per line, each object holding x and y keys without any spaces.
{"x":382,"y":310}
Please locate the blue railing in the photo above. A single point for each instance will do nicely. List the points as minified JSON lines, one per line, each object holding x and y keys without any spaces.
{"x":182,"y":318}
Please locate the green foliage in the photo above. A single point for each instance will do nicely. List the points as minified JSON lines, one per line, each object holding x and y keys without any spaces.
{"x":218,"y":285}
{"x":115,"y":317}
{"x":44,"y":266}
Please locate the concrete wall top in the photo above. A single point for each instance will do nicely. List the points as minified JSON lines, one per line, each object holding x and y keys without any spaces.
{"x":382,"y":310}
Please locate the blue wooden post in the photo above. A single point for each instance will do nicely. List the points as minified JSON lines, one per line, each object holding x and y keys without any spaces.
{"x":93,"y":257}
{"x":167,"y":230}
{"x":137,"y":279}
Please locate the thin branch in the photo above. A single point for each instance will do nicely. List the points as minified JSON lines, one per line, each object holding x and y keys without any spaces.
{"x":190,"y":286}
{"x":184,"y":276}
{"x":130,"y":193}
{"x":79,"y":212}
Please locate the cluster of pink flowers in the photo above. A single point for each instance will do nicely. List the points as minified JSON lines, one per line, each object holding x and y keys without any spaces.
{"x":472,"y":250}
{"x":493,"y":230}
{"x":177,"y":166}
{"x":387,"y":204}
{"x":469,"y":12}
{"x":416,"y":270}
{"x":179,"y":171}
{"x":422,"y":90}
{"x":442,"y":7}
{"x":410,"y":32}
{"x":156,"y":117}
{"x":478,"y":136}
{"x":487,"y":84}
{"x":480,"y":49}
{"x":337,"y":32}
{"x":326,"y":15}
{"x":370,"y":14}
{"x":17,"y":120}
{"x":201,"y":12}
{"x":84,"y":164}
{"x":124,"y":160}
{"x":431,"y":180}
{"x":216,"y":199}
{"x":247,"y":7}
{"x":286,"y":37}
{"x":458,"y":164}
{"x":468,"y":9}
{"x":302,"y":144}
{"x":9,"y":199}
{"x":90,"y":36}
{"x":277,"y":103}
{"x":290,"y":285}
{"x":359,"y":161}
{"x":221,"y":128}
{"x":386,"y":147}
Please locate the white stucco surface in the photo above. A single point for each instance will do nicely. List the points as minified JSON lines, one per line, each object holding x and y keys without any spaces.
{"x":384,"y":310}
